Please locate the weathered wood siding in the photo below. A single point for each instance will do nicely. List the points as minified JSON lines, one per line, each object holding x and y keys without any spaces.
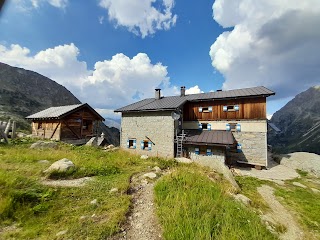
{"x":77,"y":125}
{"x":249,"y":108}
{"x":46,"y":129}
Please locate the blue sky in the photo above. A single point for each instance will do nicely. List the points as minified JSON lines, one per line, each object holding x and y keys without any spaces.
{"x":110,"y":53}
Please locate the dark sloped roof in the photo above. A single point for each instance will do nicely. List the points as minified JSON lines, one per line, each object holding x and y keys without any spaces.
{"x":173,"y":102}
{"x":214,"y":137}
{"x":61,"y":111}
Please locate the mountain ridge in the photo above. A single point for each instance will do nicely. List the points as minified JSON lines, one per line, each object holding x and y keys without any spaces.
{"x":24,"y":92}
{"x":299,"y":122}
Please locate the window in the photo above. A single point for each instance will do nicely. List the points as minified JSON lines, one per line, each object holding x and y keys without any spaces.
{"x":205,"y":109}
{"x":231,"y":108}
{"x":146,"y":145}
{"x":131,"y":143}
{"x":40,"y":125}
{"x":204,"y":126}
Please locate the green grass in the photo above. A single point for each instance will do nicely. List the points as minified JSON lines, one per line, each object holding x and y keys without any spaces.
{"x":40,"y":212}
{"x":191,"y":206}
{"x":304,"y":202}
{"x":249,"y":187}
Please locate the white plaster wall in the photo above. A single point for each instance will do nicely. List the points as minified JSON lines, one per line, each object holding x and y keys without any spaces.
{"x":158,"y":126}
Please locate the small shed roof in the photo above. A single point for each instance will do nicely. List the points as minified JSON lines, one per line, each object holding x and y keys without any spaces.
{"x":173,"y":102}
{"x":61,"y":111}
{"x":215,"y":137}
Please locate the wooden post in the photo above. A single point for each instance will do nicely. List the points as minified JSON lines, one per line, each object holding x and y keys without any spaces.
{"x":6,"y":131}
{"x":14,"y":127}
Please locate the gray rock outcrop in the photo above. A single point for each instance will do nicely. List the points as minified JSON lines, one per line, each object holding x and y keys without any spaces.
{"x":62,"y":165}
{"x":44,"y":145}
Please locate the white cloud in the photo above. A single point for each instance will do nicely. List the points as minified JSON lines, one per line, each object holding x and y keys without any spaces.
{"x":111,"y":84}
{"x":193,"y":90}
{"x":26,"y":5}
{"x":101,"y":18}
{"x":272,"y":43}
{"x":141,"y":16}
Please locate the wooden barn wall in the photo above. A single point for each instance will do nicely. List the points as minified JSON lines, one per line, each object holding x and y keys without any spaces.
{"x":78,"y":125}
{"x":249,"y":108}
{"x":46,"y":129}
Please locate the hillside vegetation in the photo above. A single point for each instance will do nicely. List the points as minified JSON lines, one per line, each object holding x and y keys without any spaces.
{"x":192,"y":202}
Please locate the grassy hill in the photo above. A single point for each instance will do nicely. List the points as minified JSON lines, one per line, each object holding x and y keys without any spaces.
{"x":192,"y":202}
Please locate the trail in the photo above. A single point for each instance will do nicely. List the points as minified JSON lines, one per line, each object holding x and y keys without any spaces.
{"x":280,"y":215}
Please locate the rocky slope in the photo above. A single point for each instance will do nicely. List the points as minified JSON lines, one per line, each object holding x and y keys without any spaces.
{"x":299,"y":122}
{"x":24,"y":92}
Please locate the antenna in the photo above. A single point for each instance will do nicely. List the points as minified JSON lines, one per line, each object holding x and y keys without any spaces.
{"x":175,"y":115}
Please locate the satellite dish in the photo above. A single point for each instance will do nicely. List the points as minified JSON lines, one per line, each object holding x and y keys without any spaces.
{"x":175,"y":115}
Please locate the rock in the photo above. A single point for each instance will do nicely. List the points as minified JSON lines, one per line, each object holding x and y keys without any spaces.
{"x":61,"y":233}
{"x":315,"y":190}
{"x":304,"y":161}
{"x":157,"y":169}
{"x":83,"y":217}
{"x":43,"y":161}
{"x":114,"y":190}
{"x":144,"y":157}
{"x":92,"y":142}
{"x":109,"y":146}
{"x":299,"y":184}
{"x":242,"y":198}
{"x":62,"y":165}
{"x":94,"y":202}
{"x":279,"y":182}
{"x":183,"y":160}
{"x":150,"y":175}
{"x":44,"y":145}
{"x":21,"y":135}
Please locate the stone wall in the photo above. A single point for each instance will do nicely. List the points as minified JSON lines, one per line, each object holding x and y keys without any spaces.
{"x":157,"y":126}
{"x":217,"y":154}
{"x":253,"y":148}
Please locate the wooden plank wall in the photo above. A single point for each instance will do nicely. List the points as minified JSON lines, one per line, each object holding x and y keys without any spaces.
{"x":78,"y":125}
{"x":49,"y":129}
{"x":249,"y":108}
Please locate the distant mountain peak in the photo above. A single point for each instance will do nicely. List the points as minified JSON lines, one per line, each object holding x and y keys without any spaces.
{"x":299,"y":121}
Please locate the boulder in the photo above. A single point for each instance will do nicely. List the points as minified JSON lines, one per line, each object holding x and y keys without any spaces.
{"x":109,"y":146}
{"x":94,"y":202}
{"x":242,"y":198}
{"x":113,"y":190}
{"x":92,"y":142}
{"x":157,"y":169}
{"x":62,"y":165}
{"x":150,"y":175}
{"x":144,"y":157}
{"x":44,"y":145}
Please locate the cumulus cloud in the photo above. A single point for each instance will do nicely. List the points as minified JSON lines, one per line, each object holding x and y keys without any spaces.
{"x":141,"y":17}
{"x":111,"y":84}
{"x":271,"y":43}
{"x":193,"y":90}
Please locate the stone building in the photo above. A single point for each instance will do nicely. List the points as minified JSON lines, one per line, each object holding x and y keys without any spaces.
{"x":226,"y":125}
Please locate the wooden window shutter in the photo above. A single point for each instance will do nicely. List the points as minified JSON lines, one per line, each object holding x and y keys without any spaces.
{"x":142,"y":145}
{"x":200,"y":126}
{"x":134,"y":143}
{"x":149,"y":145}
{"x":209,"y":152}
{"x":225,"y":108}
{"x":228,"y":127}
{"x":236,"y":107}
{"x":209,"y":127}
{"x":210,"y":109}
{"x":200,"y":109}
{"x":238,"y":127}
{"x":197,"y":151}
{"x":239,"y":148}
{"x":128,"y":143}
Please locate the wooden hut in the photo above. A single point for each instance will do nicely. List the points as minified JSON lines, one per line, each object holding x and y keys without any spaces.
{"x":72,"y":122}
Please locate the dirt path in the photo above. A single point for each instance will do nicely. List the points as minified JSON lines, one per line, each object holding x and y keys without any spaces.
{"x":280,"y":215}
{"x":142,"y":223}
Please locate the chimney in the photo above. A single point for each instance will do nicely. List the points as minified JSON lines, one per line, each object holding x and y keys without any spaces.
{"x":183,"y":91}
{"x":157,"y":93}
